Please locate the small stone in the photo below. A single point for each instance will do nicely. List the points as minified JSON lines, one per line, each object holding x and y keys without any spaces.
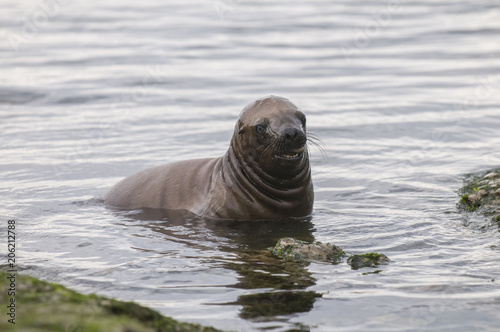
{"x":492,"y":175}
{"x":480,"y":194}
{"x":367,"y":260}
{"x":495,"y":183}
{"x":497,"y":193}
{"x":357,"y":262}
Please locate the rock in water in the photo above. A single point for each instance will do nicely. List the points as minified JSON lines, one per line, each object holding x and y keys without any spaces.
{"x":371,"y":259}
{"x":290,"y":248}
{"x":300,"y":251}
{"x":481,"y":193}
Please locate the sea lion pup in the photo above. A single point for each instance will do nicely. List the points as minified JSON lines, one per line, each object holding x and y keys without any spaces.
{"x":264,"y":175}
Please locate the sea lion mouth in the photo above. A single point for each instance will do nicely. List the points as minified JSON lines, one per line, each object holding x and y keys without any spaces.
{"x":290,"y":145}
{"x":290,"y":155}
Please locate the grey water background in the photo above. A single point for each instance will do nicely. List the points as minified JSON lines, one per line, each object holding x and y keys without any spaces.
{"x":405,"y":96}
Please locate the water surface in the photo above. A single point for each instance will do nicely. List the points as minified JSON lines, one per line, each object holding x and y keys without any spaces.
{"x":404,"y":95}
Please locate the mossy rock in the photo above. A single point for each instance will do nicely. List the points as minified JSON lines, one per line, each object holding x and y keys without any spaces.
{"x":370,"y":259}
{"x":296,"y":250}
{"x":43,"y":306}
{"x":481,"y":194}
{"x":300,"y":251}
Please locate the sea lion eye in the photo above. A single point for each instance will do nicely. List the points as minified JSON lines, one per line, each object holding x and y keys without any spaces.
{"x":260,"y":129}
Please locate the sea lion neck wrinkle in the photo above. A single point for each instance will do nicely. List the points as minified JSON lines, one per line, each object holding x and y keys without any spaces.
{"x":256,"y":185}
{"x":251,"y":196}
{"x":297,"y":174}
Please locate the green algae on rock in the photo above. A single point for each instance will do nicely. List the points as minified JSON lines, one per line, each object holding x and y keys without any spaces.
{"x":481,"y":193}
{"x":290,"y":248}
{"x":43,"y":306}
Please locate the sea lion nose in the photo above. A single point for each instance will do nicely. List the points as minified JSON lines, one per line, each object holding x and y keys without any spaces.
{"x":294,"y":137}
{"x":293,"y":134}
{"x":290,"y":133}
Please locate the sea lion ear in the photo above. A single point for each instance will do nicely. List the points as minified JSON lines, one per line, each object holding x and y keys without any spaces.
{"x":240,"y":127}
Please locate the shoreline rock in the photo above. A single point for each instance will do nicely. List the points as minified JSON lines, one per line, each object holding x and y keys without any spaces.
{"x":44,"y":306}
{"x":481,"y":194}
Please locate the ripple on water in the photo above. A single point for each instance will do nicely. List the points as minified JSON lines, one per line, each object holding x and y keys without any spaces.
{"x":103,"y":90}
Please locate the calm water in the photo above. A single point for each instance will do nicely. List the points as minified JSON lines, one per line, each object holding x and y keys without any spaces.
{"x":405,"y":96}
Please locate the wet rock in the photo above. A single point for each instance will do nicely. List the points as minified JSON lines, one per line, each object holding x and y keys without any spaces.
{"x":495,"y":183}
{"x":296,"y":250}
{"x":371,"y":259}
{"x":492,"y":175}
{"x":481,"y":194}
{"x":290,"y":248}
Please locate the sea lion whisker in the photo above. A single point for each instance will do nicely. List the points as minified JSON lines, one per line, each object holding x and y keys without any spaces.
{"x":319,"y":147}
{"x":281,"y":148}
{"x":315,"y":141}
{"x":269,"y":147}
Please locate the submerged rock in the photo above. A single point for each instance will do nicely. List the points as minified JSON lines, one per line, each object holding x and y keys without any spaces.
{"x":481,"y":193}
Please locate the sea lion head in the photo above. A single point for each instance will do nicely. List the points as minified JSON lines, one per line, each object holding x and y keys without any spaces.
{"x":270,"y":135}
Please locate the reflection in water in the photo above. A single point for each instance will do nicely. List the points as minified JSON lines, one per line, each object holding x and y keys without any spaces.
{"x":284,"y":281}
{"x":271,"y":304}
